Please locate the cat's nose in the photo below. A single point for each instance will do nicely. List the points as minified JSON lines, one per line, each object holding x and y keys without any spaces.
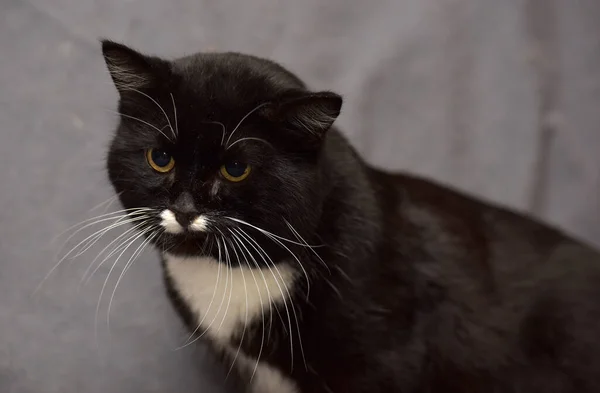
{"x":184,"y":219}
{"x":184,"y":209}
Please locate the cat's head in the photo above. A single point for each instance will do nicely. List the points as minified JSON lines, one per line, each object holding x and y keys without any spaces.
{"x":218,"y":150}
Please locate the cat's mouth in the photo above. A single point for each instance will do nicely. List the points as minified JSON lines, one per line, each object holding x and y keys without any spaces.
{"x":185,"y":233}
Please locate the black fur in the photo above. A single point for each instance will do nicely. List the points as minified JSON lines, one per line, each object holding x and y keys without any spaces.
{"x":424,"y":289}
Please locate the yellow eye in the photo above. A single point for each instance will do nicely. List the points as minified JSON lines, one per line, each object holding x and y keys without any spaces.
{"x":160,"y":160}
{"x":235,"y":171}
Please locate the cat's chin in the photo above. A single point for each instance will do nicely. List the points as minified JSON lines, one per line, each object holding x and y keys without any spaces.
{"x":203,"y":254}
{"x":187,"y":245}
{"x":202,"y":247}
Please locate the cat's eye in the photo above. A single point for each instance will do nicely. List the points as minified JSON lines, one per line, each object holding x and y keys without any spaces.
{"x":160,"y":160}
{"x":235,"y":171}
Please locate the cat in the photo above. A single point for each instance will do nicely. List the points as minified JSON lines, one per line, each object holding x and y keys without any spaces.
{"x":307,"y":270}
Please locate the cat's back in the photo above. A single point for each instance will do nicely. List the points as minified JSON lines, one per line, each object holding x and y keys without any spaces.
{"x":459,"y":220}
{"x":514,"y":299}
{"x":503,"y":247}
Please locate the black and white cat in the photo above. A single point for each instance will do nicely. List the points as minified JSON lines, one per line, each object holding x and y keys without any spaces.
{"x":310,"y":271}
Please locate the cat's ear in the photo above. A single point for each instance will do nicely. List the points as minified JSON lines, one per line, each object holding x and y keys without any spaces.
{"x":309,"y":113}
{"x":131,"y":70}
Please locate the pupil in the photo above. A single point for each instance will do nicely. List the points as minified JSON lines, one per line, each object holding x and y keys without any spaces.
{"x":236,"y":169}
{"x":161,"y":157}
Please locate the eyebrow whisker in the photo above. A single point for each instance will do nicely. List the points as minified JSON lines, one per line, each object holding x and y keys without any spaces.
{"x":144,"y":122}
{"x":223,"y":129}
{"x":250,"y":138}
{"x":244,"y":118}
{"x":159,"y":107}
{"x":175,"y":114}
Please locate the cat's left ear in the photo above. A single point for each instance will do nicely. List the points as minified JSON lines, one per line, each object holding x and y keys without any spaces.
{"x":131,"y":70}
{"x":309,"y":113}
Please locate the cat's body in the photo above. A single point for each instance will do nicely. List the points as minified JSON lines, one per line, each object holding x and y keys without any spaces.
{"x":416,"y":288}
{"x":464,"y":297}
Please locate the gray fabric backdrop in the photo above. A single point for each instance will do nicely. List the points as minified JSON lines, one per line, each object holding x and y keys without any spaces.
{"x":499,"y":98}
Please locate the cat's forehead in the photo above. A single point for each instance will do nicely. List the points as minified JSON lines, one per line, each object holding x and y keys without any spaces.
{"x":213,"y":92}
{"x":229,"y":78}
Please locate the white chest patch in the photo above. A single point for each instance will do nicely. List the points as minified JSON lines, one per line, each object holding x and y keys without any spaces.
{"x":225,"y":299}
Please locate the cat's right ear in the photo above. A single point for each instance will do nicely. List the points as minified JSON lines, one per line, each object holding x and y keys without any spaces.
{"x":131,"y":70}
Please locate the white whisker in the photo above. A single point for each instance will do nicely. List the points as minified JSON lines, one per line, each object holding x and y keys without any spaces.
{"x":262,"y":255}
{"x":227,"y":271}
{"x":250,"y":138}
{"x":297,"y":260}
{"x":344,"y":274}
{"x":96,"y":234}
{"x":241,"y":121}
{"x":262,"y":310}
{"x":138,"y":251}
{"x":264,"y":231}
{"x":159,"y":107}
{"x":108,"y":277}
{"x":229,"y":268}
{"x":90,"y":243}
{"x":246,"y":310}
{"x":175,"y":115}
{"x":265,"y":281}
{"x":223,"y":129}
{"x":144,"y":122}
{"x":115,"y":250}
{"x":188,"y":342}
{"x":300,"y":238}
{"x":337,"y":291}
{"x":127,"y":211}
{"x":109,"y":201}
